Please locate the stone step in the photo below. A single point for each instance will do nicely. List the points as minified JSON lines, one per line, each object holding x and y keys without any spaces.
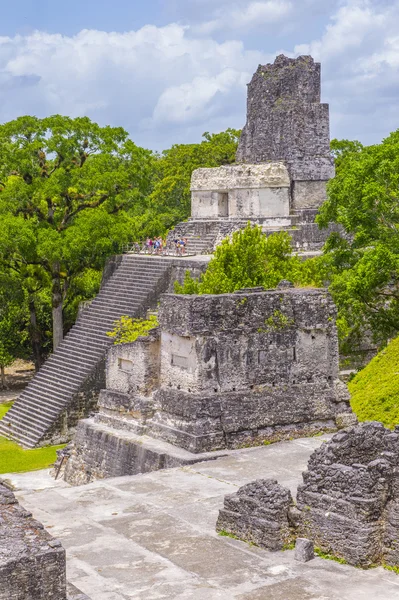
{"x":25,"y":440}
{"x":30,"y":427}
{"x":81,"y":348}
{"x":51,"y":407}
{"x":47,"y":401}
{"x":54,"y":375}
{"x":63,"y":358}
{"x":26,"y":415}
{"x":128,"y":291}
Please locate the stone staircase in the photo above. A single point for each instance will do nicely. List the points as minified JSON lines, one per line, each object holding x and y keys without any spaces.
{"x":56,"y":393}
{"x":201,"y":235}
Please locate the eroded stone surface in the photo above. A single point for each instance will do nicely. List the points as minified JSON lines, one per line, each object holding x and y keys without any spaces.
{"x":258,"y":513}
{"x":32,"y":563}
{"x":350,"y":496}
{"x":286,"y":122}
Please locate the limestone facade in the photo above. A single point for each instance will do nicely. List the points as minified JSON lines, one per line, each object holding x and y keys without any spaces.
{"x":220,"y":372}
{"x":241,"y":191}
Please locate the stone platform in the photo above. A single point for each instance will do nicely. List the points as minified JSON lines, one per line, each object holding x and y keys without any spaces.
{"x":153,"y":536}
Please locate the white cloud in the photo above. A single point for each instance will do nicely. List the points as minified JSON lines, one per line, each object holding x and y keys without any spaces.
{"x":189,"y":101}
{"x":169,"y":84}
{"x":147,"y":80}
{"x":351,"y":24}
{"x":359,"y":52}
{"x":246,"y":16}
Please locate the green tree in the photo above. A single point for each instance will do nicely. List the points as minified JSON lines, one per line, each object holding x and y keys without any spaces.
{"x":362,"y":262}
{"x":13,"y":320}
{"x":249,"y":259}
{"x":170,"y":200}
{"x":66,"y":186}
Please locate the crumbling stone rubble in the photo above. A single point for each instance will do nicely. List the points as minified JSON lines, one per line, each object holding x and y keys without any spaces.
{"x":350,"y":496}
{"x":258,"y":513}
{"x":32,"y":563}
{"x":347,"y":506}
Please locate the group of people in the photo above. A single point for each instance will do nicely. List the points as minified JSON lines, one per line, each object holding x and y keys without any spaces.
{"x":160,"y":246}
{"x":155,"y":245}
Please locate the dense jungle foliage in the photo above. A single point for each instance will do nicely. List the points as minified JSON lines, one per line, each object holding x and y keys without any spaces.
{"x":72,"y":192}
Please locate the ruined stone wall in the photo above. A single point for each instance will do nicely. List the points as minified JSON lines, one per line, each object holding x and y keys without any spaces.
{"x":286,"y":122}
{"x":241,"y":191}
{"x":32,"y":563}
{"x":258,"y":513}
{"x":347,"y":506}
{"x":132,"y":377}
{"x":349,"y":500}
{"x":242,"y":368}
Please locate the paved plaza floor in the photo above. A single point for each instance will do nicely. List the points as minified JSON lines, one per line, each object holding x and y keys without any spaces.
{"x":153,"y":536}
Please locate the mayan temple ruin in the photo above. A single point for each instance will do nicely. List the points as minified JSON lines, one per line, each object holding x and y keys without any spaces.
{"x":279,"y":181}
{"x":222,"y":372}
{"x":200,"y":454}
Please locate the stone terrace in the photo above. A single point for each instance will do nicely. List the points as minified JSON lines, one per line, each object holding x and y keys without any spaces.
{"x":152,"y":536}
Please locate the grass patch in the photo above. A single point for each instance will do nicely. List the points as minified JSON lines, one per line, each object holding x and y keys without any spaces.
{"x":4,"y":408}
{"x":328,"y":556}
{"x":375,"y":389}
{"x":14,"y":459}
{"x":390,"y":568}
{"x":225,"y":533}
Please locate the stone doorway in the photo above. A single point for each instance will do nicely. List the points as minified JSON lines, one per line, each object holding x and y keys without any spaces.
{"x":223,"y":204}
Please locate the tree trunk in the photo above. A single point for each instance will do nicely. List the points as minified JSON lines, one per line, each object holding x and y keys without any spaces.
{"x":35,"y":335}
{"x":3,"y":378}
{"x":58,"y":325}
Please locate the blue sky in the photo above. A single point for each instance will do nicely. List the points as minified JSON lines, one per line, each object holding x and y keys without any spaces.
{"x":169,"y":70}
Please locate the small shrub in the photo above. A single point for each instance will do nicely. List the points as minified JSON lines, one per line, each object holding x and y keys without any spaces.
{"x":250,"y":259}
{"x":127,"y":330}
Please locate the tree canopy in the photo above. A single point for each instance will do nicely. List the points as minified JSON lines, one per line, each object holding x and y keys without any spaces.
{"x":249,"y":259}
{"x":362,"y":262}
{"x":71,"y":193}
{"x":65,"y":188}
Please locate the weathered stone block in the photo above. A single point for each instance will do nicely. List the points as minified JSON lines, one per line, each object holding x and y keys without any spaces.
{"x":304,"y":550}
{"x":32,"y":563}
{"x":258,"y":513}
{"x":349,"y":499}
